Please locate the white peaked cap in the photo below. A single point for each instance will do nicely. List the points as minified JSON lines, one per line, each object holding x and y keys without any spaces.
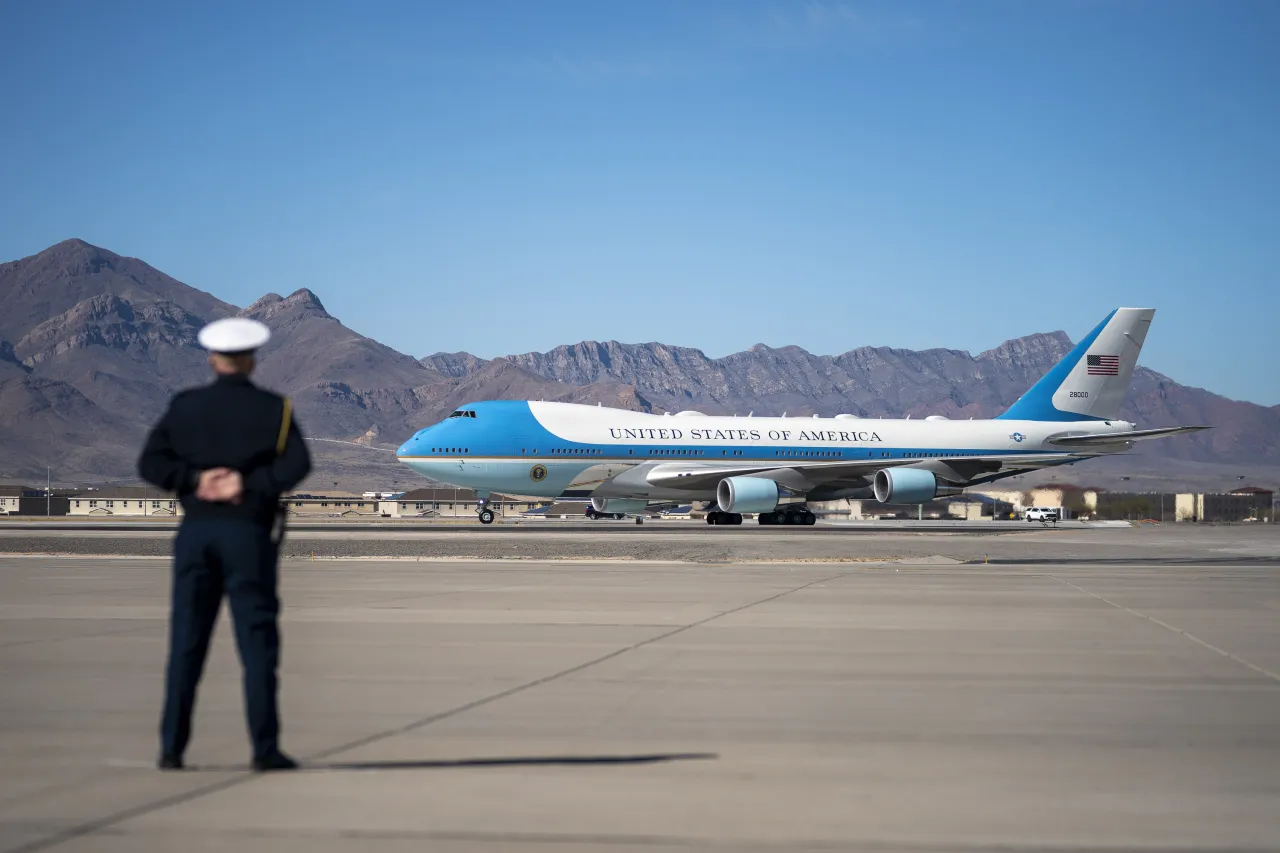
{"x":233,"y":334}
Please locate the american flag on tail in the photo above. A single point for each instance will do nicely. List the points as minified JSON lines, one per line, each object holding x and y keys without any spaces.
{"x":1104,"y":365}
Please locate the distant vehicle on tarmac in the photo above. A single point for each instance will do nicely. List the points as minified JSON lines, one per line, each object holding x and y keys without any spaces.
{"x":1041,"y":513}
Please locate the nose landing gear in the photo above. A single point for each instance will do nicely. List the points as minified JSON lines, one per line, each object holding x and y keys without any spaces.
{"x":483,"y":512}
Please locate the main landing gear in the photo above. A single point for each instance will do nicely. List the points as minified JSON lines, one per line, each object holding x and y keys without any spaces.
{"x":798,"y":515}
{"x":483,"y":512}
{"x":718,"y":517}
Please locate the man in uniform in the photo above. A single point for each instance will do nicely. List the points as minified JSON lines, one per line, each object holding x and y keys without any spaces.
{"x":229,"y":450}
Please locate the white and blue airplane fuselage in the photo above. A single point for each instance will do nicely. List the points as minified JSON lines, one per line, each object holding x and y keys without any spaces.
{"x":773,"y":466}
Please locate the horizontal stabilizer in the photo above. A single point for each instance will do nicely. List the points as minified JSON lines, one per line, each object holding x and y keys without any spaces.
{"x":1117,"y":437}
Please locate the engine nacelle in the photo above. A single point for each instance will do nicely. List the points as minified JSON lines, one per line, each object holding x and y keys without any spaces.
{"x":747,"y":494}
{"x":623,"y":505}
{"x":909,"y":486}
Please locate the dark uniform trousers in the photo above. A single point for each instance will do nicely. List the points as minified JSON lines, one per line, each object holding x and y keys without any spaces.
{"x":238,"y":558}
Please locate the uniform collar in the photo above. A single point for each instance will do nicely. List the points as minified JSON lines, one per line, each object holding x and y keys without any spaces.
{"x":233,"y":379}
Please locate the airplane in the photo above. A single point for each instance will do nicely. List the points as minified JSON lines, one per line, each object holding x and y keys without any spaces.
{"x":627,"y":462}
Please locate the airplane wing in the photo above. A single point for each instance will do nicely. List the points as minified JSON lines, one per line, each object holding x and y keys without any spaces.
{"x":1120,"y":437}
{"x":808,"y":474}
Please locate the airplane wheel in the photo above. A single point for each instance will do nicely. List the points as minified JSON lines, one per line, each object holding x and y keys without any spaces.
{"x":711,"y":517}
{"x":486,"y":516}
{"x":767,"y":518}
{"x":737,"y":518}
{"x":639,"y":520}
{"x":810,"y":519}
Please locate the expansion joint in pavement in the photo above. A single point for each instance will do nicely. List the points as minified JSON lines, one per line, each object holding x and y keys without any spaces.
{"x":91,"y":827}
{"x":1174,"y":628}
{"x":546,"y":679}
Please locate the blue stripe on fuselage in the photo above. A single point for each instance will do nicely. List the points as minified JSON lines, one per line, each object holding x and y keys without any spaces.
{"x":507,"y":428}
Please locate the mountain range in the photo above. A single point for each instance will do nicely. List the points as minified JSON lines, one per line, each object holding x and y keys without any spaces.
{"x":92,"y":344}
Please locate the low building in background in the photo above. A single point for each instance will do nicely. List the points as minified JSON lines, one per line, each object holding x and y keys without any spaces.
{"x":970,"y":506}
{"x":33,"y":500}
{"x":448,"y":502}
{"x":1246,"y":504}
{"x":130,"y":501}
{"x":443,"y":502}
{"x":10,"y":497}
{"x":1250,"y":503}
{"x":303,"y":505}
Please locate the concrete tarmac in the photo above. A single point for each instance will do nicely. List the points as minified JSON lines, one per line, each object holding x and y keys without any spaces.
{"x":644,"y":706}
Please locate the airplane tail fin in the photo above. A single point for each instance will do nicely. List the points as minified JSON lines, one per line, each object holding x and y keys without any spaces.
{"x":1091,"y":381}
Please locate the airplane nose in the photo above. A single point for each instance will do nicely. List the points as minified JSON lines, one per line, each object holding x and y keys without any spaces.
{"x":407,"y":449}
{"x":413,"y":446}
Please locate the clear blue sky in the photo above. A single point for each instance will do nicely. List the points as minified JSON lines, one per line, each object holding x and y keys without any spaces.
{"x":503,"y":177}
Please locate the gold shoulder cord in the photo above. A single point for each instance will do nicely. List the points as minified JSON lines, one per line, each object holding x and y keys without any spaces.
{"x":284,"y":426}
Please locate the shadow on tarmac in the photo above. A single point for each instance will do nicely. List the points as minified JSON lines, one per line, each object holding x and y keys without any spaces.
{"x":1242,"y":560}
{"x":512,"y":761}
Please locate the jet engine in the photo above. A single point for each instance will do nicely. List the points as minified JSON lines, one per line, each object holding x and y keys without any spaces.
{"x":909,"y":486}
{"x":747,"y":494}
{"x":618,"y":505}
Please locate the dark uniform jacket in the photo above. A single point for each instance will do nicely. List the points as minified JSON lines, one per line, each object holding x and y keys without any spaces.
{"x":229,"y":423}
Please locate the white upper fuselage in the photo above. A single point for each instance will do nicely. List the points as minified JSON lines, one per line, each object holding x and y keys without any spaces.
{"x":553,"y":449}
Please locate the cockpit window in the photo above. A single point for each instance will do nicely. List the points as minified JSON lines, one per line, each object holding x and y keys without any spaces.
{"x":463,"y":413}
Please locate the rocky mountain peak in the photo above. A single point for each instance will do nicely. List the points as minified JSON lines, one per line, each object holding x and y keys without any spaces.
{"x":453,"y":364}
{"x":1034,"y":348}
{"x":304,"y":298}
{"x":68,"y":259}
{"x":272,"y":305}
{"x":263,"y":303}
{"x":75,"y":249}
{"x":44,"y":285}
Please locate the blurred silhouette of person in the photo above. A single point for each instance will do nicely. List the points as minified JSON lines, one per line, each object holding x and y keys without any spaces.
{"x":229,"y":450}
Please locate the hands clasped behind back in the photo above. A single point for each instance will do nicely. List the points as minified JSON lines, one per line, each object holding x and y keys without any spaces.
{"x":220,"y":485}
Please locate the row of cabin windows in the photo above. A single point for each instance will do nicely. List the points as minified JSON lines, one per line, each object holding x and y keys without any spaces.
{"x":887,"y":454}
{"x":812,"y":454}
{"x":665,"y":451}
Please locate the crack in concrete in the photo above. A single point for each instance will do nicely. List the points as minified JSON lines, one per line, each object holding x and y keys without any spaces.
{"x":93,"y":826}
